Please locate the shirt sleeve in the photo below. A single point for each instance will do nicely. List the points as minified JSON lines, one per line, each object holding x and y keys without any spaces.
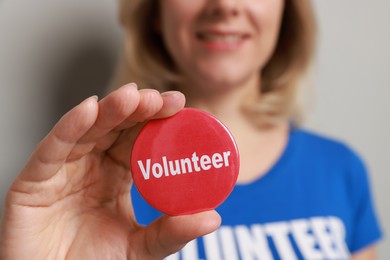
{"x":366,"y":228}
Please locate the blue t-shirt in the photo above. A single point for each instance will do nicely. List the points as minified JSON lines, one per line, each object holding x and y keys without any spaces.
{"x":314,"y":203}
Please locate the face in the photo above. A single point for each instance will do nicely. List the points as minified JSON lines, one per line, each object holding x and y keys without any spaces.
{"x":220,"y":43}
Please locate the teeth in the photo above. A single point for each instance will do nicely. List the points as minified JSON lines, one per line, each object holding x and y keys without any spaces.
{"x":222,"y":38}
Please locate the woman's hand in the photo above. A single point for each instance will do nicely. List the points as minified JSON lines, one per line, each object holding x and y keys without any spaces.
{"x":72,"y":199}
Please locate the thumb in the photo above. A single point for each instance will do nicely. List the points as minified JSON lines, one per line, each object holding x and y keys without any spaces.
{"x":169,"y":234}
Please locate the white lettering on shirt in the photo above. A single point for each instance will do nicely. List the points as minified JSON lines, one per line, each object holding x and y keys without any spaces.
{"x":314,"y":238}
{"x":252,"y":242}
{"x":305,"y":240}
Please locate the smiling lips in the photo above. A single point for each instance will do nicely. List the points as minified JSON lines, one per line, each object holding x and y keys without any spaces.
{"x":222,"y":41}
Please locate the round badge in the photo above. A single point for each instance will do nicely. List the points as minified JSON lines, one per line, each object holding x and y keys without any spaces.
{"x":186,"y":163}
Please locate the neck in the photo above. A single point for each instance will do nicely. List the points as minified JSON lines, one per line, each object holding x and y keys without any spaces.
{"x":259,"y":148}
{"x":225,"y":101}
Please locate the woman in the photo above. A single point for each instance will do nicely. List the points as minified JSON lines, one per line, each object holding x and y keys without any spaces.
{"x":306,"y":196}
{"x":242,"y":61}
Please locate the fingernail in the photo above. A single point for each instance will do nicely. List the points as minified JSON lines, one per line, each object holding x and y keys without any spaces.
{"x":133,"y":85}
{"x":95,"y":98}
{"x":172,"y":92}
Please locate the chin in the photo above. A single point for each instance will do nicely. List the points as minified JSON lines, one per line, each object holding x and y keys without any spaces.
{"x":224,"y":81}
{"x":224,"y":76}
{"x":218,"y":85}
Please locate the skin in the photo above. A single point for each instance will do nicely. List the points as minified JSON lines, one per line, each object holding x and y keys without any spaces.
{"x":71,"y":201}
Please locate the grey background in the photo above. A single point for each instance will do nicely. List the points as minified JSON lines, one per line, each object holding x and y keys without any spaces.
{"x":53,"y":54}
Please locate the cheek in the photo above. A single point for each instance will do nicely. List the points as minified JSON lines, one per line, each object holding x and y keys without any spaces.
{"x":177,"y":19}
{"x":266,"y":18}
{"x":266,"y":15}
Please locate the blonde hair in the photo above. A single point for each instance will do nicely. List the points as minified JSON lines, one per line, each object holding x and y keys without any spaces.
{"x":146,"y":61}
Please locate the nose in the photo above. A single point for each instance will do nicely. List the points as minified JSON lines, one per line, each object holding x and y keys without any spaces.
{"x":222,"y":8}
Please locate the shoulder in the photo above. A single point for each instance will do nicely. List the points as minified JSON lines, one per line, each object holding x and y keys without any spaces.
{"x":314,"y":139}
{"x":333,"y":161}
{"x":329,"y":155}
{"x":325,"y":147}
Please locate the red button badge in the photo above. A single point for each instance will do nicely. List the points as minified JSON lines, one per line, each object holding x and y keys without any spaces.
{"x":186,"y":163}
